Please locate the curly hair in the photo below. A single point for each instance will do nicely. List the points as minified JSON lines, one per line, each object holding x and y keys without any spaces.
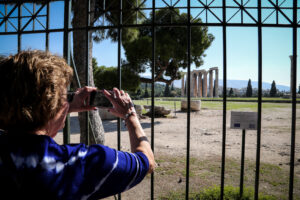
{"x":32,"y":84}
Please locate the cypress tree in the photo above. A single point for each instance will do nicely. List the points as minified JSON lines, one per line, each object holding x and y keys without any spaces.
{"x":172,"y":87}
{"x":146,"y":95}
{"x":273,"y":90}
{"x":230,"y":92}
{"x":249,"y":89}
{"x":167,"y":91}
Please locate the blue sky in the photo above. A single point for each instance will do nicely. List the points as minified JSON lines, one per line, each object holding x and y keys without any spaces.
{"x":242,"y":46}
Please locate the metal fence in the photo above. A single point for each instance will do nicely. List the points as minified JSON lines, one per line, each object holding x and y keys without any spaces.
{"x":216,"y":14}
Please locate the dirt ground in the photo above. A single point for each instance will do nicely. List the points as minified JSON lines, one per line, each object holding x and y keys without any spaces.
{"x":170,"y":139}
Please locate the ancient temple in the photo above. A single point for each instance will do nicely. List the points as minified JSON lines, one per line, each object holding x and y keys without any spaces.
{"x":199,"y":83}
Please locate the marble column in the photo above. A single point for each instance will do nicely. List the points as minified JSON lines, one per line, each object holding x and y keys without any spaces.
{"x":217,"y":83}
{"x":195,"y":85}
{"x":192,"y":84}
{"x":205,"y":84}
{"x":182,"y":86}
{"x":185,"y":87}
{"x":200,"y":85}
{"x":211,"y":87}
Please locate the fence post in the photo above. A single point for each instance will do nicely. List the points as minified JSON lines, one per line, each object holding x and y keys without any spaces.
{"x":242,"y":163}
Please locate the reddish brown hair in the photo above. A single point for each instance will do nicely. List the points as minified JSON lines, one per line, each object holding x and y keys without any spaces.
{"x":32,"y":84}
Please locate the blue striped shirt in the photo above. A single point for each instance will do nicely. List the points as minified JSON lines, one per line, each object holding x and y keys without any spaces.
{"x":35,"y":166}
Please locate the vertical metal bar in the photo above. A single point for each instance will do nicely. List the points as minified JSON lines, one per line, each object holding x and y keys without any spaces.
{"x":242,"y":163}
{"x":47,"y":26}
{"x":152,"y":90}
{"x":276,"y":12}
{"x":87,"y":65}
{"x":206,"y":12}
{"x":19,"y":26}
{"x":66,"y":54}
{"x":33,"y":20}
{"x":242,"y":12}
{"x":5,"y":16}
{"x":119,"y":73}
{"x":119,"y":67}
{"x":259,"y":102}
{"x":189,"y":102}
{"x":224,"y":100}
{"x":293,"y":133}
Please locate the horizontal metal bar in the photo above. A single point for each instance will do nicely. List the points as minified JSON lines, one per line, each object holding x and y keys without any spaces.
{"x":149,"y":25}
{"x":24,"y":16}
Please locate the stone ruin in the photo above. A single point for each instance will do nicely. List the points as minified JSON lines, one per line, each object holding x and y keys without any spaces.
{"x":199,"y":83}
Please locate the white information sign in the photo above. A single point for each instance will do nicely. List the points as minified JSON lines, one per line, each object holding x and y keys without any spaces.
{"x":243,"y":120}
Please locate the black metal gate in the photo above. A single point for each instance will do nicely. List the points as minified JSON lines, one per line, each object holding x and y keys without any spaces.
{"x":8,"y":19}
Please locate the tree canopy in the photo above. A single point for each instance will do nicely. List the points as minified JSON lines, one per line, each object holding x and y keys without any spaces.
{"x":107,"y":78}
{"x":170,"y":47}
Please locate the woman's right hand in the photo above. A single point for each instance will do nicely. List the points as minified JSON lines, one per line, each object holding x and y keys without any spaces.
{"x":80,"y":102}
{"x":121,"y":101}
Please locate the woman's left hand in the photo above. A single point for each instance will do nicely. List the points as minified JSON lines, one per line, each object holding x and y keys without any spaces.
{"x":81,"y":99}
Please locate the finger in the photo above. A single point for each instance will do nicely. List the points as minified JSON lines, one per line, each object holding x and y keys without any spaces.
{"x":108,"y":95}
{"x":117,"y":92}
{"x":85,"y":94}
{"x":127,"y":96}
{"x":122,"y":92}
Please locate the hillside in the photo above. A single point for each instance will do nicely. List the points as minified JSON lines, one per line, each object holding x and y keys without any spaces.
{"x":239,"y":84}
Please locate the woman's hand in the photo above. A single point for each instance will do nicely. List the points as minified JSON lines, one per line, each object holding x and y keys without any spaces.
{"x":121,"y":102}
{"x":81,"y":100}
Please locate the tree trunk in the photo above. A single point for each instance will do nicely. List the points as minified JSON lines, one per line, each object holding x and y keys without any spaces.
{"x":79,"y":51}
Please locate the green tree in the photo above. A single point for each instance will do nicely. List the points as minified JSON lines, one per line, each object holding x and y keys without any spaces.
{"x":107,"y":78}
{"x":172,"y":87}
{"x":273,"y":90}
{"x":146,"y":95}
{"x":167,"y":91}
{"x":230,"y":92}
{"x":99,"y":9}
{"x":171,"y":47}
{"x":249,"y":89}
{"x":94,"y":65}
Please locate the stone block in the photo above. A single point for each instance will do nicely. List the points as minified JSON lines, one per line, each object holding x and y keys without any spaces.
{"x":139,"y":109}
{"x":195,"y":105}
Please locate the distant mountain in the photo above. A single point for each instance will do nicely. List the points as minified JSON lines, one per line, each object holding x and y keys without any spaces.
{"x":239,"y":84}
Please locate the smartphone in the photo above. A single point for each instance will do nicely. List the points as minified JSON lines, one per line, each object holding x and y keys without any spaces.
{"x":98,"y":99}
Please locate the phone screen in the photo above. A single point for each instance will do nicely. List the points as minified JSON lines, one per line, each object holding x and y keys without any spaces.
{"x":98,"y":99}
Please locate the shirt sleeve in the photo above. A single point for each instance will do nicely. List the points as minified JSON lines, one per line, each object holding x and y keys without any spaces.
{"x":93,"y":172}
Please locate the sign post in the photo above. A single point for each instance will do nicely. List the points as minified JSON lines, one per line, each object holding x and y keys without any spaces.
{"x":243,"y":120}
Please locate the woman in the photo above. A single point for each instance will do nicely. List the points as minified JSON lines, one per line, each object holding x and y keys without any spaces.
{"x":33,"y":107}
